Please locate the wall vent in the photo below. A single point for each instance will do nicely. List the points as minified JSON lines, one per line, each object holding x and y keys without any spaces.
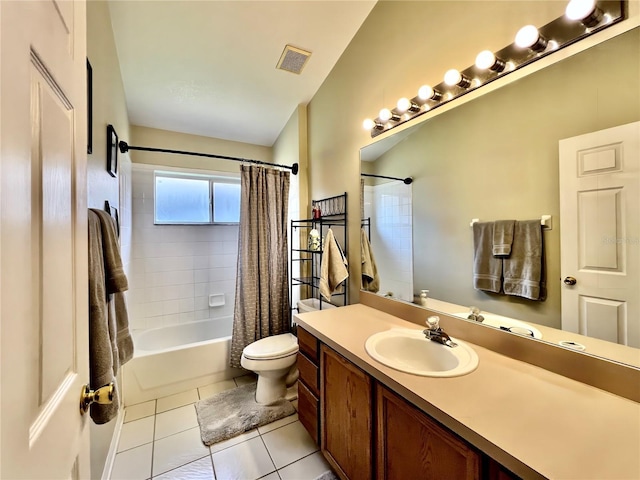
{"x":293,"y":59}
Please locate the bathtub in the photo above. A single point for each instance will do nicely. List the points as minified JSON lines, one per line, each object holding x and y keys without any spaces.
{"x":177,"y":358}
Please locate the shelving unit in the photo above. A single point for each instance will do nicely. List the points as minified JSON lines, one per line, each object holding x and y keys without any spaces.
{"x":333,"y":214}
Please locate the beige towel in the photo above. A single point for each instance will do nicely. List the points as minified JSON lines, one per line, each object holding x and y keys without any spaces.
{"x":110,"y":343}
{"x":523,"y":269}
{"x":502,"y":237}
{"x":487,"y":269}
{"x":333,"y":269}
{"x":370,"y":278}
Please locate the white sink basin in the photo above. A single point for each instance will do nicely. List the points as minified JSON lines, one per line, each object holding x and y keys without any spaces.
{"x":506,"y":323}
{"x":410,"y":352}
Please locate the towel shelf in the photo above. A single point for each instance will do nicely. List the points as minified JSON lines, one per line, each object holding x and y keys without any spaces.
{"x":545,"y":220}
{"x":304,"y":262}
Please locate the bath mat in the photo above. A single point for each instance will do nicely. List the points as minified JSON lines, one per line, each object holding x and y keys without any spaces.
{"x":232,"y":412}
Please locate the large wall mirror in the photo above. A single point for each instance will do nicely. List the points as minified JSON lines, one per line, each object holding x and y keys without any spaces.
{"x":497,"y":157}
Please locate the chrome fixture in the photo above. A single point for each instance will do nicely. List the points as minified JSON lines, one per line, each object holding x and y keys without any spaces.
{"x":582,"y":18}
{"x":475,"y":315}
{"x":434,"y":333}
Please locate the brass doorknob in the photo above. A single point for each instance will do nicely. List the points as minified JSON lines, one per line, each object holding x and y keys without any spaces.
{"x":570,"y":281}
{"x":103,"y":395}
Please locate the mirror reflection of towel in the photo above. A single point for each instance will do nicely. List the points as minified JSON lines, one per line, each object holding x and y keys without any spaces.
{"x":370,"y":277}
{"x":333,"y":269}
{"x":487,"y":269}
{"x":523,"y":268}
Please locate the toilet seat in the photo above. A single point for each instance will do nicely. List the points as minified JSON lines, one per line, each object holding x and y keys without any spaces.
{"x":272,"y":348}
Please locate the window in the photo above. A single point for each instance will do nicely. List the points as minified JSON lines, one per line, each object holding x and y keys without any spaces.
{"x":196,"y":199}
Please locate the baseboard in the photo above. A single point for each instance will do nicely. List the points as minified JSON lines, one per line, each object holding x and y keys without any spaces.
{"x":113,"y":447}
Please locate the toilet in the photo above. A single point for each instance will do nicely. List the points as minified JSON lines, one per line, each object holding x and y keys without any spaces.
{"x":273,"y":359}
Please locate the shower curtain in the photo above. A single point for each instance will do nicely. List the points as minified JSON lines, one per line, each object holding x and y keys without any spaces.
{"x":262,"y":283}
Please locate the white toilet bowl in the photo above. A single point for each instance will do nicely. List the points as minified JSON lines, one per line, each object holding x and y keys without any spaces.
{"x":273,"y":359}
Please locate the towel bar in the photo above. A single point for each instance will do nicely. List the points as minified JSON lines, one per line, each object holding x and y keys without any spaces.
{"x":545,"y":220}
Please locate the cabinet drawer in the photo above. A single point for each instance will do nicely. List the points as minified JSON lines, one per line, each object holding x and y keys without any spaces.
{"x":308,"y":411}
{"x":308,"y":374}
{"x":308,"y":345}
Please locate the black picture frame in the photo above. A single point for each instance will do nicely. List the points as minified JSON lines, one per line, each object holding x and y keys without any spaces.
{"x":112,"y":151}
{"x":89,"y":107}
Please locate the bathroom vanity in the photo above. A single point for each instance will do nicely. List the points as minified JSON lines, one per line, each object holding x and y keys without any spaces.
{"x":506,"y":419}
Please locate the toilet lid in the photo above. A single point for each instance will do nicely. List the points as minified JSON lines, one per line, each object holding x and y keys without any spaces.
{"x":271,"y":347}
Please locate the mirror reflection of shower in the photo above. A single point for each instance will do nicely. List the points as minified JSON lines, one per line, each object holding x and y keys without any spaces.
{"x":388,"y":208}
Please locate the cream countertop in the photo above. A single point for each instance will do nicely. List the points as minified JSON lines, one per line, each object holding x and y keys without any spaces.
{"x":534,"y":422}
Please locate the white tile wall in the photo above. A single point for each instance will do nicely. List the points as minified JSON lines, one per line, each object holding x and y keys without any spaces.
{"x":390,"y":209}
{"x":174,"y":268}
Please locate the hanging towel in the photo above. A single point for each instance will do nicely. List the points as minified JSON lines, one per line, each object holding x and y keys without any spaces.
{"x":333,"y":269}
{"x":370,"y":278}
{"x":487,"y":269}
{"x":502,"y":237}
{"x":110,"y":343}
{"x":523,"y":269}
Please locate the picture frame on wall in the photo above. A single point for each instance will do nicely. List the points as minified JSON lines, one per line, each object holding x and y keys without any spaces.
{"x":112,"y":151}
{"x":89,"y":107}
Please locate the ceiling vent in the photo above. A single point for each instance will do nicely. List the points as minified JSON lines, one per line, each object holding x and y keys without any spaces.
{"x":293,"y":59}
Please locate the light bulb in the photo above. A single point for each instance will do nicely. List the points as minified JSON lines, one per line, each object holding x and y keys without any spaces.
{"x":529,"y":37}
{"x":403,"y":104}
{"x":454,"y":77}
{"x":385,"y":115}
{"x":584,"y":10}
{"x":425,"y":93}
{"x":486,"y":60}
{"x":368,"y":124}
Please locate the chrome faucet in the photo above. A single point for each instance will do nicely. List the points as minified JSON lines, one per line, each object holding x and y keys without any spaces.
{"x":475,"y":315}
{"x":434,"y":333}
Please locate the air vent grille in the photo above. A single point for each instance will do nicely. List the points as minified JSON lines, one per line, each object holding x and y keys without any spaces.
{"x":293,"y":59}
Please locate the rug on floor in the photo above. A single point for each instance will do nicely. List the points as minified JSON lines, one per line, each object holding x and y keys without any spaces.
{"x":232,"y":412}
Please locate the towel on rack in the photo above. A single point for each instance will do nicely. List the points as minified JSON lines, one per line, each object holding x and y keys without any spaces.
{"x":487,"y":269}
{"x":523,"y":269}
{"x":333,"y":268}
{"x":110,"y":343}
{"x":502,"y":237}
{"x":370,"y":278}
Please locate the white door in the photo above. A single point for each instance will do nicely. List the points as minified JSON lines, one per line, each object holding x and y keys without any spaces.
{"x":600,"y":231}
{"x":43,"y":240}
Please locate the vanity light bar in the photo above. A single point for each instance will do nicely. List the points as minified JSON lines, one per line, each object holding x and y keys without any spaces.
{"x":582,"y":19}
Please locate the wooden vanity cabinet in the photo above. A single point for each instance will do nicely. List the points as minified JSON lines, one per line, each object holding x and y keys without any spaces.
{"x":346,"y":416}
{"x":309,"y":383}
{"x":367,"y":431}
{"x":411,"y":445}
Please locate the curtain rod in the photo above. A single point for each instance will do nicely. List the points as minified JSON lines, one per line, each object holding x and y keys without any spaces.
{"x":125,"y":147}
{"x":407,"y":181}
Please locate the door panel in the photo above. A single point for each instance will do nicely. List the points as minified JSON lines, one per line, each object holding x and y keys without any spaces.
{"x":43,"y":240}
{"x":600,"y":223}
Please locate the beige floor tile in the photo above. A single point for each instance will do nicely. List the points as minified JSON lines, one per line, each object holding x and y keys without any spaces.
{"x":177,"y":400}
{"x":245,"y":461}
{"x":134,"y":464}
{"x":210,"y":390}
{"x":307,"y":468}
{"x":176,"y":420}
{"x":139,"y":410}
{"x":178,"y":450}
{"x":249,"y":378}
{"x":199,"y":470}
{"x":136,"y":433}
{"x":278,"y":423}
{"x":288,"y":444}
{"x":216,"y":447}
{"x":271,"y":476}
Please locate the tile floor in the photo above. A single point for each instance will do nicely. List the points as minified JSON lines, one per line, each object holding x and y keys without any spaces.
{"x":160,"y":439}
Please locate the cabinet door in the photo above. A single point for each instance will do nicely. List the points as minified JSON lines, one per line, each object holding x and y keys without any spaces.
{"x":346,"y":416}
{"x":412,"y":445}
